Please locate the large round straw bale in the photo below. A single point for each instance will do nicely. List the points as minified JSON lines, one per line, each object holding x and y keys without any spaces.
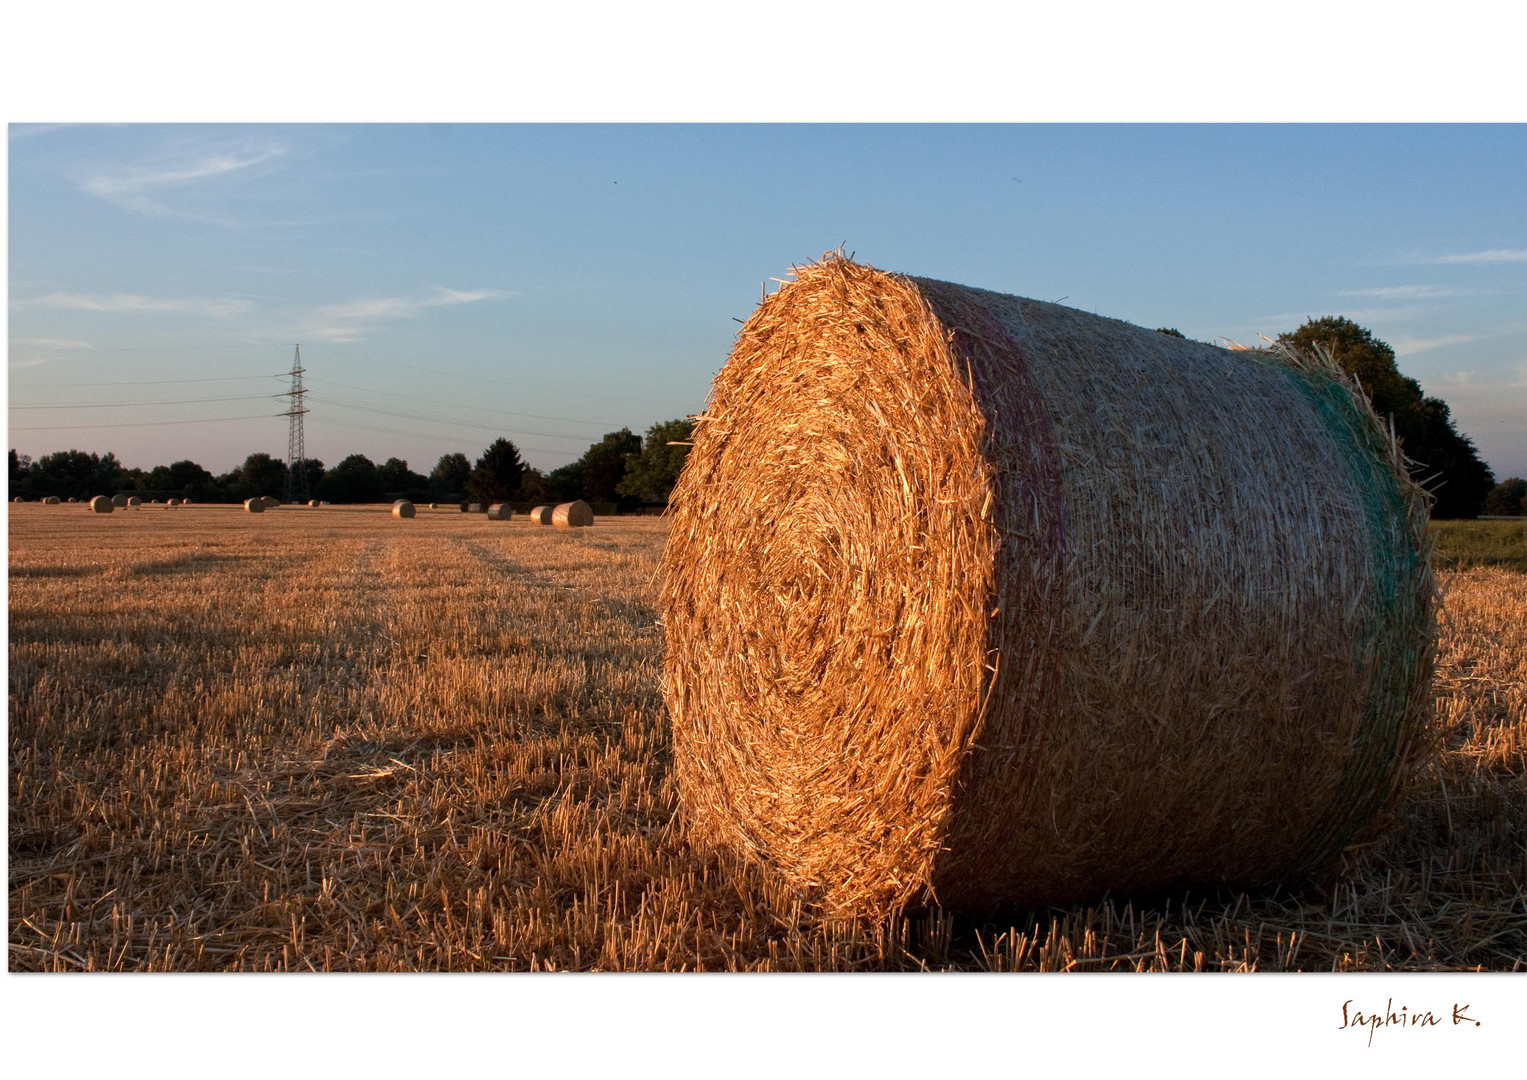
{"x":119,"y":501}
{"x":102,"y":504}
{"x":991,"y":603}
{"x":271,"y":502}
{"x":402,"y":509}
{"x":312,"y":502}
{"x":573,"y":515}
{"x":254,"y":506}
{"x":500,"y":512}
{"x":52,"y":500}
{"x":134,"y":500}
{"x":541,"y":515}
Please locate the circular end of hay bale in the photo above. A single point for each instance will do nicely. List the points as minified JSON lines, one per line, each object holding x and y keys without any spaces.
{"x":254,"y":506}
{"x":119,"y":501}
{"x":312,"y":502}
{"x":541,"y":515}
{"x":968,"y":600}
{"x":402,"y":509}
{"x":102,"y":504}
{"x":434,"y":506}
{"x":52,"y":500}
{"x":500,"y":512}
{"x":573,"y":515}
{"x":134,"y":500}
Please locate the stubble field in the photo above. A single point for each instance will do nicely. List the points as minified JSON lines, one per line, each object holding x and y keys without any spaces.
{"x":329,"y":739}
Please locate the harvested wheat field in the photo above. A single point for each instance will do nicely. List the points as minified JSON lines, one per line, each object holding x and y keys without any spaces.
{"x":351,"y":744}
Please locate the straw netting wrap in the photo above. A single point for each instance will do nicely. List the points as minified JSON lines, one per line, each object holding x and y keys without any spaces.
{"x":573,"y":515}
{"x":541,"y":515}
{"x":996,"y":604}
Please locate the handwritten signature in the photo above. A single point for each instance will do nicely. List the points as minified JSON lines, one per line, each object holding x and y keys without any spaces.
{"x":1404,"y":1018}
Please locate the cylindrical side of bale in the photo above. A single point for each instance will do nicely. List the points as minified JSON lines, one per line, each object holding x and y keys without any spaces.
{"x":73,"y":499}
{"x":102,"y":504}
{"x":172,"y":502}
{"x":254,"y":506}
{"x":52,"y":500}
{"x":573,"y":515}
{"x":541,"y":515}
{"x":476,"y":508}
{"x":18,"y":499}
{"x":312,"y":502}
{"x":500,"y":512}
{"x":271,"y":502}
{"x":991,"y":603}
{"x":134,"y":500}
{"x":402,"y":509}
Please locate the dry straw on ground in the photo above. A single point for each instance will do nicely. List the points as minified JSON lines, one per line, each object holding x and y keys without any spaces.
{"x":541,"y":515}
{"x":500,"y":512}
{"x":402,"y":509}
{"x":994,"y":603}
{"x":573,"y":515}
{"x":101,"y":504}
{"x":254,"y":506}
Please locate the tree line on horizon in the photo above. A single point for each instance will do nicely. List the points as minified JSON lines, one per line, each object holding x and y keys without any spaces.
{"x":622,"y":468}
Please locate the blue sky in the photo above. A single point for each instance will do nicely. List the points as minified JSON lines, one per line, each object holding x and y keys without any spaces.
{"x":554,"y":282}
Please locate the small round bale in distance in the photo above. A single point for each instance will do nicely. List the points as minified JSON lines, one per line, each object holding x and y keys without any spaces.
{"x":73,"y":499}
{"x":402,"y":509}
{"x":500,"y":512}
{"x":312,"y":502}
{"x":541,"y":515}
{"x":134,"y":500}
{"x":119,"y":501}
{"x":254,"y":506}
{"x":18,"y":499}
{"x":996,"y":604}
{"x":52,"y":500}
{"x":271,"y":502}
{"x":102,"y":504}
{"x":573,"y":515}
{"x":476,"y":508}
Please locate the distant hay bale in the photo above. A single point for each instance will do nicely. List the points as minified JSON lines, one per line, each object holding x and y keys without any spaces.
{"x":102,"y":504}
{"x":500,"y":512}
{"x":172,"y":502}
{"x":573,"y":515}
{"x":434,"y":506}
{"x":18,"y":499}
{"x":271,"y":502}
{"x":312,"y":502}
{"x":541,"y":515}
{"x":402,"y":509}
{"x":991,"y":603}
{"x":73,"y":499}
{"x":134,"y":500}
{"x":52,"y":500}
{"x":254,"y":506}
{"x":119,"y":501}
{"x":476,"y":508}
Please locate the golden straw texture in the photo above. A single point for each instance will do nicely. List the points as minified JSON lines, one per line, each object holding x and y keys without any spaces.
{"x":541,"y":515}
{"x":402,"y":509}
{"x":500,"y":512}
{"x":991,"y":603}
{"x":573,"y":515}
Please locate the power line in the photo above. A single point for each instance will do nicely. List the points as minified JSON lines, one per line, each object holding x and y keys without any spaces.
{"x":474,"y":408}
{"x":449,"y":422}
{"x":127,"y":404}
{"x":394,"y":431}
{"x":145,"y":382}
{"x":485,"y":379}
{"x":150,"y":423}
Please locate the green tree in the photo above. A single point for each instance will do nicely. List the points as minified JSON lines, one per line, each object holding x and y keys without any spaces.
{"x":1446,"y":461}
{"x":78,"y":474}
{"x":21,"y":467}
{"x":260,"y":474}
{"x":651,"y":474}
{"x":497,"y":474}
{"x":398,"y":478}
{"x":183,"y":479}
{"x":1507,"y":498}
{"x":603,"y":465}
{"x":353,"y":480}
{"x":450,"y":475}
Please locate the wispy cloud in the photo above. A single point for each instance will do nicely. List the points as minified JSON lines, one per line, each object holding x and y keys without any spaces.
{"x":349,"y":321}
{"x":1410,"y":346}
{"x":1407,"y":292}
{"x":33,"y":361}
{"x":218,"y":307}
{"x":1472,"y":258}
{"x":49,"y":343}
{"x":142,"y":188}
